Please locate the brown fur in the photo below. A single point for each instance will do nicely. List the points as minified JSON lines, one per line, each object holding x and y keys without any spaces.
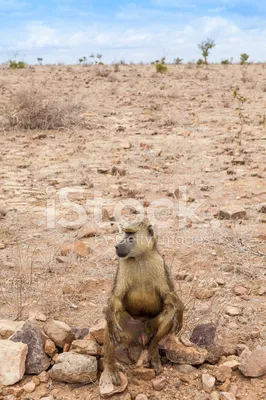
{"x":143,"y":289}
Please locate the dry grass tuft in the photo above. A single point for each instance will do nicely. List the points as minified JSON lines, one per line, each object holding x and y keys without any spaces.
{"x":34,"y":109}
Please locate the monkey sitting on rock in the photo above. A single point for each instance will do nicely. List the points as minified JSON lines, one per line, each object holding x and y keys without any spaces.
{"x":143,"y":289}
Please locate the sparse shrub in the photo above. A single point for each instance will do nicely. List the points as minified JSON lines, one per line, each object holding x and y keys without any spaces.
{"x":116,"y":68}
{"x":40,"y":60}
{"x":33,"y":109}
{"x":200,"y":61}
{"x":17,"y":64}
{"x":225,"y":61}
{"x":161,"y":68}
{"x":178,"y":60}
{"x":243,"y":118}
{"x":205,"y":48}
{"x":103,"y":72}
{"x":243,"y":58}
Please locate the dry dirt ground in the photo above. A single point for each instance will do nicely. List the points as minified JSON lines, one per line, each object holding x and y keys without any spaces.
{"x":176,"y":132}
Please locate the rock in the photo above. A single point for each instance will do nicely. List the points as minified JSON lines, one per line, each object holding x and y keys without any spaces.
{"x":147,"y":374}
{"x":85,"y":346}
{"x":50,"y":348}
{"x":227,"y":396}
{"x":36,"y":380}
{"x":185,"y":368}
{"x":240,"y":348}
{"x":74,"y":368}
{"x":43,"y":377}
{"x":29,"y":387}
{"x":178,"y":353}
{"x":7,"y":328}
{"x":262,"y":291}
{"x":125,"y":145}
{"x":90,"y":231}
{"x":223,"y":373}
{"x":220,"y":281}
{"x":253,"y":363}
{"x":263,"y":209}
{"x":233,"y":311}
{"x":118,"y":171}
{"x":97,"y":331}
{"x":78,"y":247}
{"x":2,"y":246}
{"x":208,"y":382}
{"x":215,"y":396}
{"x":240,"y":290}
{"x":12,"y":361}
{"x":203,"y":335}
{"x":232,"y":212}
{"x":59,"y":332}
{"x":233,"y":389}
{"x":203,"y":294}
{"x":14,"y":391}
{"x":40,"y":316}
{"x":224,"y":387}
{"x":233,"y":364}
{"x":107,"y":389}
{"x":47,"y":398}
{"x":30,"y":334}
{"x":159,"y":383}
{"x":141,"y":397}
{"x":80,"y":333}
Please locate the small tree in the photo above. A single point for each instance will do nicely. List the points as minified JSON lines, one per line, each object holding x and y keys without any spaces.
{"x":205,"y":48}
{"x":99,"y":56}
{"x":80,"y":60}
{"x":178,"y":60}
{"x":243,"y":58}
{"x":40,"y":59}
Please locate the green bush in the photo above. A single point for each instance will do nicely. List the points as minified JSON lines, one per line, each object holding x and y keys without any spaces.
{"x":16,"y":64}
{"x":225,"y":61}
{"x":200,"y":62}
{"x":243,"y":58}
{"x":161,"y":68}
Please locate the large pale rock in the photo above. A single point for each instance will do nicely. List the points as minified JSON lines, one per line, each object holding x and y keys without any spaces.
{"x":208,"y":382}
{"x":59,"y":332}
{"x":232,"y":212}
{"x":178,"y":353}
{"x":223,"y":373}
{"x":253,"y":363}
{"x":7,"y":328}
{"x":107,"y":389}
{"x":86,"y":346}
{"x":30,"y":334}
{"x":74,"y":368}
{"x":12,"y":361}
{"x":97,"y":331}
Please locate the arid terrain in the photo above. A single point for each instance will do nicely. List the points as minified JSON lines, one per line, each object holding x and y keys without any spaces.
{"x":168,"y":141}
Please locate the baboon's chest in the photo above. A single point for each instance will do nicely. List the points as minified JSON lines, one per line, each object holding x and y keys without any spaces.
{"x":143,"y":301}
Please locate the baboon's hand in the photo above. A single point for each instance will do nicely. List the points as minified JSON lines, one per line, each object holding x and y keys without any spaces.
{"x":114,"y":328}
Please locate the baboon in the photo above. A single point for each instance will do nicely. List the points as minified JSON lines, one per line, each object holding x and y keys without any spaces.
{"x":143,"y":289}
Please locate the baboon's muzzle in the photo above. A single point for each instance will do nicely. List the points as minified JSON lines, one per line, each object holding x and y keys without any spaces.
{"x":122,"y":249}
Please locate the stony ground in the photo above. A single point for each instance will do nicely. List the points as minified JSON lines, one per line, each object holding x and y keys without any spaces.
{"x":148,"y":137}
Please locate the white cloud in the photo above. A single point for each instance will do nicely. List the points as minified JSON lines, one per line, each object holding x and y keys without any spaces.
{"x":40,"y":35}
{"x":141,"y":41}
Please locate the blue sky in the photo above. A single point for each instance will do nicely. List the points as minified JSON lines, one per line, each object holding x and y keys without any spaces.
{"x":142,"y":30}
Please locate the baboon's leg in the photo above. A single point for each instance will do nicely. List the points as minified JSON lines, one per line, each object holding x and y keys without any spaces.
{"x":112,"y":337}
{"x":170,"y":318}
{"x":109,"y":359}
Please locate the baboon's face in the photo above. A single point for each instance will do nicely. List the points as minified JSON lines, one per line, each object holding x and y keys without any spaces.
{"x":136,"y":243}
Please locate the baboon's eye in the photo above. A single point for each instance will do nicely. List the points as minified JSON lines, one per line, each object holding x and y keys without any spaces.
{"x":131,"y":239}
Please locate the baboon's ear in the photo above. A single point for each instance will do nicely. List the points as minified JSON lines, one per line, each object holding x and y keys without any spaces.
{"x":151,"y":230}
